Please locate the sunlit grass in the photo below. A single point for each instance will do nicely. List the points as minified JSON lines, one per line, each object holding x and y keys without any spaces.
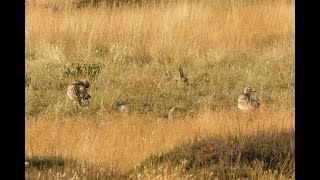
{"x":222,"y":46}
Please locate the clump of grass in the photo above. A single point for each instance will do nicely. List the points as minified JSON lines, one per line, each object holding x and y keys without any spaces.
{"x":27,"y":80}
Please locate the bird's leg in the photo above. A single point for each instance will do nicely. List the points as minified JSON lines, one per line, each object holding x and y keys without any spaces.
{"x":77,"y":104}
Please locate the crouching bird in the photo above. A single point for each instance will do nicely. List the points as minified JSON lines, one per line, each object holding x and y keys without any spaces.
{"x":77,"y":92}
{"x":245,"y":101}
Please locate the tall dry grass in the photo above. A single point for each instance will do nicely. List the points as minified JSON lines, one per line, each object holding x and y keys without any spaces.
{"x":124,"y":141}
{"x":156,"y":32}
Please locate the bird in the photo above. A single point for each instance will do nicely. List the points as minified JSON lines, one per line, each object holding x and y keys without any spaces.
{"x":77,"y":92}
{"x":246,"y":102}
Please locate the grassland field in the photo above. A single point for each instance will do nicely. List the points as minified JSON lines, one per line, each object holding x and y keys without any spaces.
{"x":124,"y":50}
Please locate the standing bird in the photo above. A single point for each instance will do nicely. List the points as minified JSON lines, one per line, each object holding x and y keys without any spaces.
{"x":77,"y":92}
{"x":245,"y":101}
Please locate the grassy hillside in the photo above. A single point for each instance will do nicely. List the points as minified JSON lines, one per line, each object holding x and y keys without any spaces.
{"x":261,"y":156}
{"x":124,"y":51}
{"x":253,"y":157}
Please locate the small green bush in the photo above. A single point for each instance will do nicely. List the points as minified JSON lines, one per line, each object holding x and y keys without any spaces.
{"x":95,"y":3}
{"x":115,"y":3}
{"x":81,"y":69}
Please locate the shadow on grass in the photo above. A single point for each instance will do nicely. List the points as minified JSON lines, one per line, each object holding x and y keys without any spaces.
{"x":270,"y":155}
{"x":60,"y":168}
{"x":41,"y":163}
{"x":233,"y":157}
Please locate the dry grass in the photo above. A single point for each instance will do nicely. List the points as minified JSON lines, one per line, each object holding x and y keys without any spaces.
{"x":124,"y":141}
{"x":222,"y":46}
{"x":156,"y":32}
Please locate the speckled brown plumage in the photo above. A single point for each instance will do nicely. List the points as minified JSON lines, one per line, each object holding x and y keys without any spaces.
{"x":246,"y":102}
{"x":77,"y":92}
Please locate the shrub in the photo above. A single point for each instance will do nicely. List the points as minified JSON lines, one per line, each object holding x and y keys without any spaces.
{"x":95,"y":3}
{"x":116,"y":3}
{"x":80,"y":69}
